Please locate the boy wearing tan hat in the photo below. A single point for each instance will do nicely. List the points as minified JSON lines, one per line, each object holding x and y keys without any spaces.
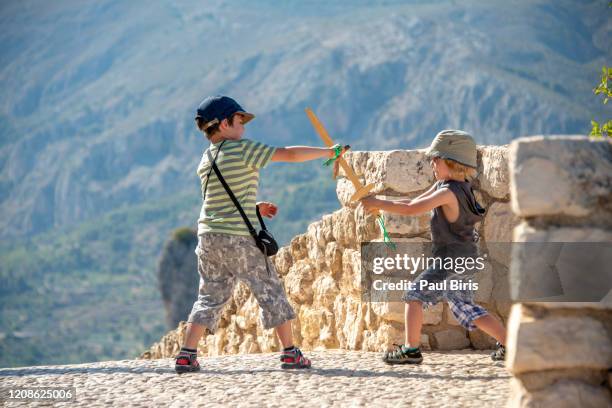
{"x":454,"y":209}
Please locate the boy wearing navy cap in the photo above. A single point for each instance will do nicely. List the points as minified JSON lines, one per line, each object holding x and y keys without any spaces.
{"x":226,"y":250}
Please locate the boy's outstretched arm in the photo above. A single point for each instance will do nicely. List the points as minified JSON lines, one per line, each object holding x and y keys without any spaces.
{"x":423,"y":195}
{"x":295,"y":154}
{"x":417,"y":206}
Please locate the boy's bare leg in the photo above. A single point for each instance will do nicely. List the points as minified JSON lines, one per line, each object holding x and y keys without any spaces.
{"x":284,"y":334}
{"x":492,"y":327}
{"x":193,"y":334}
{"x":413,"y":314}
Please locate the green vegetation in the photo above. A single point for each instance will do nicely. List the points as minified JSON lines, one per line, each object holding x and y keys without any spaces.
{"x":89,"y":292}
{"x":605,"y":129}
{"x":185,"y":235}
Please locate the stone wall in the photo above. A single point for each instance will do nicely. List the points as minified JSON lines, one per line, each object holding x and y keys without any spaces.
{"x":321,"y":268}
{"x":560,"y":353}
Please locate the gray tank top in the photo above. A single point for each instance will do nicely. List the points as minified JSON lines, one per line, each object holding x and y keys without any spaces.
{"x":458,"y":238}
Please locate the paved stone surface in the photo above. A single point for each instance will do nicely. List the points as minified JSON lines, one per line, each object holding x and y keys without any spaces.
{"x":338,"y":378}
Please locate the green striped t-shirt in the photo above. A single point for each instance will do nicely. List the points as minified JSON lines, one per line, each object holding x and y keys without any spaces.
{"x":239,"y":162}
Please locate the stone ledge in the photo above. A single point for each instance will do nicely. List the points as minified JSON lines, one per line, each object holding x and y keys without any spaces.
{"x":561,"y":175}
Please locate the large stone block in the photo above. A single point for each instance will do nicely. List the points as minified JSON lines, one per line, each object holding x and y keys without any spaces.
{"x":523,"y":232}
{"x":550,"y":264}
{"x":433,"y":314}
{"x":485,"y":281}
{"x":451,"y":339}
{"x":344,"y":191}
{"x":493,"y":174}
{"x":498,"y":226}
{"x":480,"y":340}
{"x":403,"y":171}
{"x":391,"y":311}
{"x":562,"y":394}
{"x":407,"y":171}
{"x":562,"y":175}
{"x":556,"y":342}
{"x":537,"y":380}
{"x":404,"y":224}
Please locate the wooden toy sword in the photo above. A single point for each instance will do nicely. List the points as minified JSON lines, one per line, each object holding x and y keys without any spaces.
{"x":360,"y":190}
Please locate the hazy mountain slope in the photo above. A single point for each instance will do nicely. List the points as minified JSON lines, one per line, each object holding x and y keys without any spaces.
{"x":102,"y":94}
{"x":98,"y":149}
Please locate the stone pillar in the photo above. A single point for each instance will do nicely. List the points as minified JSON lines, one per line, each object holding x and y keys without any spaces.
{"x":560,"y":353}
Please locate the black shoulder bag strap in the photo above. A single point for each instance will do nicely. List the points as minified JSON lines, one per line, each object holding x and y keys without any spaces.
{"x":211,"y":168}
{"x":264,"y":240}
{"x":235,"y":201}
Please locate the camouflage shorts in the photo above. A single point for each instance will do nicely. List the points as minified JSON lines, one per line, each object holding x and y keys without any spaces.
{"x":224,"y":258}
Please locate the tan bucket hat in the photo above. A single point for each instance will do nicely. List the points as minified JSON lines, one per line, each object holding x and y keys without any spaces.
{"x":455,"y":145}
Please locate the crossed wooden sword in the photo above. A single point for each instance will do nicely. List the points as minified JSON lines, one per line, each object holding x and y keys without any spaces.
{"x":360,"y":190}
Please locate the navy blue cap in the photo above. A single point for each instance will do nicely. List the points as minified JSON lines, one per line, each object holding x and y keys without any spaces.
{"x":214,"y":109}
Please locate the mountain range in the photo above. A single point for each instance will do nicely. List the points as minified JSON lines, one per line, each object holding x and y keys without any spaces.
{"x":98,"y":149}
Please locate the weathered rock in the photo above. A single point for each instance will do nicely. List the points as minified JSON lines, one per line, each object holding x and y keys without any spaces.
{"x":451,"y":339}
{"x":247,"y":316}
{"x":333,"y":257}
{"x":344,"y":227}
{"x":316,"y":244}
{"x":351,"y":276}
{"x":556,"y":342}
{"x":325,"y":290}
{"x":177,"y":275}
{"x":407,"y":171}
{"x":367,"y":228}
{"x":249,"y":345}
{"x":433,"y":314}
{"x":349,"y":322}
{"x":391,"y":311}
{"x":405,"y":225}
{"x":485,"y":282}
{"x":267,"y":340}
{"x":563,"y":394}
{"x":493,"y":174}
{"x":403,"y":171}
{"x":526,"y":233}
{"x":283,"y":260}
{"x":317,"y":327}
{"x":570,"y":175}
{"x":449,"y":318}
{"x":298,"y":282}
{"x":548,"y":270}
{"x":537,"y":380}
{"x":299,"y":247}
{"x":498,"y":226}
{"x":480,"y":340}
{"x":344,"y":191}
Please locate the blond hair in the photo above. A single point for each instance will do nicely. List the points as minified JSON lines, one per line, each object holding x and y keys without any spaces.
{"x":460,"y":171}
